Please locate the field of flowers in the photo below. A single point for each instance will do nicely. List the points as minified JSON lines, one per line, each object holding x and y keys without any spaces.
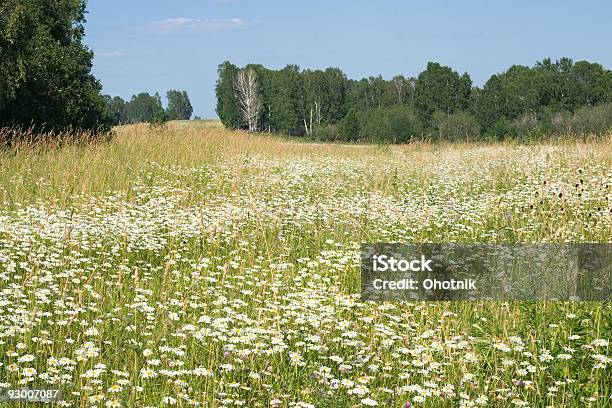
{"x":193,"y":266}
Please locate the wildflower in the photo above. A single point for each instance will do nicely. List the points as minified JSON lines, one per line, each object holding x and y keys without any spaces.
{"x":29,"y":372}
{"x":115,"y":388}
{"x":147,"y":373}
{"x":26,"y":358}
{"x":369,"y":402}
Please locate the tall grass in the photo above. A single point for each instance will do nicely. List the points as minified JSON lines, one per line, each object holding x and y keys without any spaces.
{"x":52,"y":167}
{"x":193,"y":266}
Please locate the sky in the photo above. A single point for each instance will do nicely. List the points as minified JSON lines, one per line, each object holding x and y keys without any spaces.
{"x":158,"y":45}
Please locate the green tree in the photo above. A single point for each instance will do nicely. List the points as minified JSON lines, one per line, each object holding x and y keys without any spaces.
{"x":145,"y":108}
{"x":399,"y":91}
{"x":117,"y":108}
{"x":593,"y":82}
{"x":350,"y":128}
{"x":554,"y":84}
{"x":439,"y":88}
{"x":439,"y":102}
{"x":334,"y":108}
{"x":458,"y":126}
{"x":368,"y":93}
{"x":45,"y":69}
{"x":287,"y":100}
{"x":395,"y":124}
{"x":227,"y":103}
{"x":506,"y":96}
{"x":179,"y":106}
{"x":314,"y":95}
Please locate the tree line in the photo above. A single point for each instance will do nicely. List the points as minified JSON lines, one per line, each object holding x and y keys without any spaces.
{"x":148,"y":108}
{"x":549,"y":98}
{"x":46,"y":84}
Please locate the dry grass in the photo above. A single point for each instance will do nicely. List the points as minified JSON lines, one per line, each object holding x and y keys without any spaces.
{"x":44,"y":171}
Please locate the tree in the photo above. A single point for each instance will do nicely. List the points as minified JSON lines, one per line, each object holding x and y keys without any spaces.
{"x":117,"y":108}
{"x":248,"y":98}
{"x":594,"y":83}
{"x":145,"y":108}
{"x":439,"y":102}
{"x":287,"y":100}
{"x":554,"y":85}
{"x":228,"y":108}
{"x":439,"y":88}
{"x":45,"y":69}
{"x":392,"y":124}
{"x":335,"y":106}
{"x":314,"y":95}
{"x":368,"y":93}
{"x":523,"y":95}
{"x":400,"y":90}
{"x":506,"y":96}
{"x":350,"y":128}
{"x":459,"y":126}
{"x":179,"y":106}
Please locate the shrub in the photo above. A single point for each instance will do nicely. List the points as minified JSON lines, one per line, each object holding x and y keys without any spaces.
{"x":528,"y":124}
{"x":396,"y":124}
{"x":459,"y":126}
{"x":403,"y":124}
{"x":501,"y":129}
{"x":595,"y":120}
{"x":588,"y":120}
{"x":349,"y":128}
{"x":325,"y":133}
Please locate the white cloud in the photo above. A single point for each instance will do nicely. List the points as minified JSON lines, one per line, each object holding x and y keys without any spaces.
{"x":183,"y":24}
{"x":113,"y":54}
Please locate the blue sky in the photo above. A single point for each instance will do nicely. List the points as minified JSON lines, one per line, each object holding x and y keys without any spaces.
{"x":160,"y":45}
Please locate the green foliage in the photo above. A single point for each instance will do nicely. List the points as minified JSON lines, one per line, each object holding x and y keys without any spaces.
{"x":458,"y":126}
{"x":325,"y":133}
{"x":323,"y":97}
{"x":179,"y":105}
{"x":526,"y":125}
{"x":284,"y":107}
{"x":439,"y":88}
{"x":588,"y":120}
{"x":596,"y":120}
{"x":45,"y":69}
{"x":441,"y":104}
{"x":397,"y":124}
{"x":523,"y":92}
{"x":349,"y":128}
{"x":146,"y":108}
{"x":227,"y":103}
{"x":508,"y":96}
{"x":334,"y":107}
{"x":368,"y":93}
{"x":500,"y":130}
{"x":117,"y":109}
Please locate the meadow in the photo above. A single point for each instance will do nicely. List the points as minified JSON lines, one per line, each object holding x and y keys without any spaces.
{"x":189,"y":265}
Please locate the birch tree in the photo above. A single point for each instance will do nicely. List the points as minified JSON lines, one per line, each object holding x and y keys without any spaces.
{"x":248,"y":97}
